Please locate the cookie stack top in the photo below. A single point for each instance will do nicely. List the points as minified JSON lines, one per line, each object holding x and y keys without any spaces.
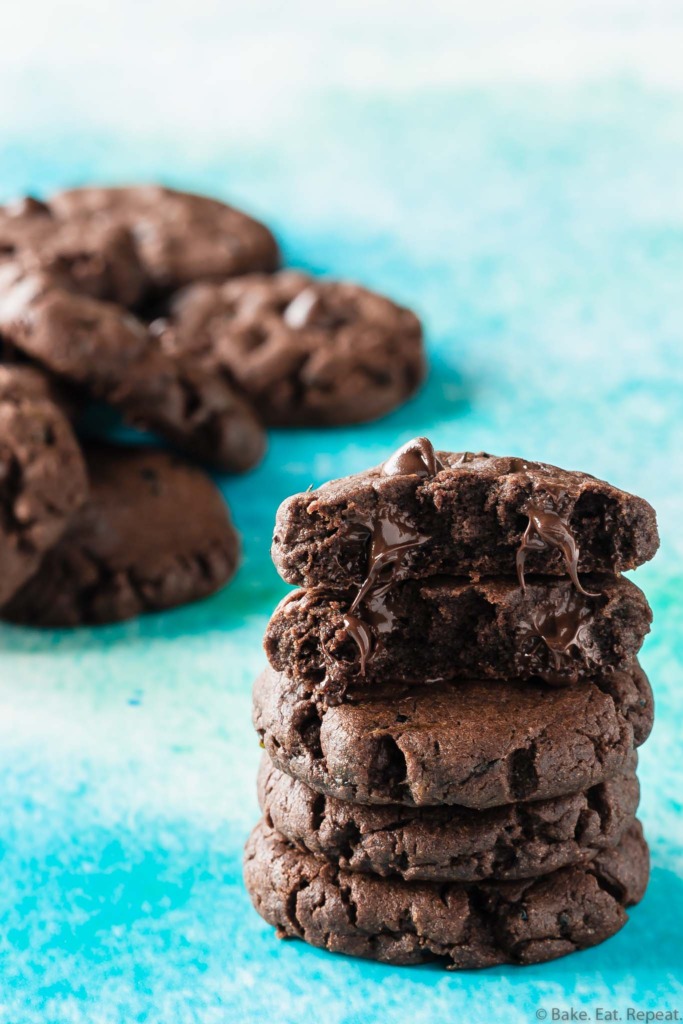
{"x":440,"y":565}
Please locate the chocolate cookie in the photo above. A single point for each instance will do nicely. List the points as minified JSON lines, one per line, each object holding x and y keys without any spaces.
{"x":418,"y":631}
{"x":450,"y":844}
{"x":154,"y":534}
{"x":424,"y":512}
{"x":471,"y":743}
{"x":180,"y":237}
{"x":42,"y":475}
{"x":83,"y":253}
{"x":308,"y":352}
{"x":457,"y":925}
{"x":108,"y":353}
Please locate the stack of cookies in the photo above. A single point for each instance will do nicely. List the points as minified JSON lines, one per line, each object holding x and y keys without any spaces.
{"x":170,"y":308}
{"x":452,"y":712}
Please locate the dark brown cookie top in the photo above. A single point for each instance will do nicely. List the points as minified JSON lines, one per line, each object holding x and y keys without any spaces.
{"x":471,"y":743}
{"x":450,"y":844}
{"x":83,"y":253}
{"x":42,"y":475}
{"x":109,"y":354}
{"x":424,"y":512}
{"x":444,"y":627}
{"x":308,"y":351}
{"x":180,"y":237}
{"x":155,"y":533}
{"x":456,"y":925}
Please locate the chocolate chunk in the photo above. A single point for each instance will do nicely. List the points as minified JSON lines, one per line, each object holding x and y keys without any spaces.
{"x":415,"y":458}
{"x":455,"y":925}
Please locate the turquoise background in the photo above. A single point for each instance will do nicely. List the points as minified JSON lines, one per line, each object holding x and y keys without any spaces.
{"x":516,"y":180}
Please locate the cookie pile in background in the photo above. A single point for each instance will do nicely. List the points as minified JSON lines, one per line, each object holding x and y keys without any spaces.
{"x":452,"y":712}
{"x":170,"y":308}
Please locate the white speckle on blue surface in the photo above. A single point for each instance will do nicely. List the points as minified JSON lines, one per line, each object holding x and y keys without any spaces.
{"x":512,"y":171}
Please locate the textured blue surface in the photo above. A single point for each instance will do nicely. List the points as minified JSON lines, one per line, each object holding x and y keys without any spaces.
{"x":538,"y":228}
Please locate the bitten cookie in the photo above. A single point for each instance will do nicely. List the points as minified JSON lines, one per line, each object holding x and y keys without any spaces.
{"x":154,"y":534}
{"x":180,"y":237}
{"x":445,"y":628}
{"x":450,"y":844}
{"x":471,"y":743}
{"x":42,"y":475}
{"x":308,"y":352}
{"x":109,"y":354}
{"x":456,"y":925}
{"x":86,"y":254}
{"x":424,"y":512}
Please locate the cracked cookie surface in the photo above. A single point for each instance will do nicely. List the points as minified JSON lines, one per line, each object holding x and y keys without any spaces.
{"x":457,"y":925}
{"x":154,"y":534}
{"x":307,"y":351}
{"x":42,"y":475}
{"x":471,"y":743}
{"x":450,"y":844}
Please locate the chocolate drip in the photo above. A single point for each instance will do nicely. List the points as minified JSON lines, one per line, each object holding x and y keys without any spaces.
{"x":558,"y":629}
{"x":370,"y":614}
{"x":546,"y":529}
{"x":391,"y":537}
{"x":414,"y":458}
{"x":363,"y":637}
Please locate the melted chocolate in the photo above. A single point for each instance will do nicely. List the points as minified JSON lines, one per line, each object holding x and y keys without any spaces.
{"x":415,"y":458}
{"x":547,"y":529}
{"x":391,"y":537}
{"x":362,"y":635}
{"x":549,"y":638}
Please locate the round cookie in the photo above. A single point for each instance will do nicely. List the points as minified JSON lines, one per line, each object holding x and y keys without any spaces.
{"x":88,"y":255}
{"x":110,"y":355}
{"x":445,"y":627}
{"x":459,"y":926}
{"x":450,"y":844}
{"x":309,"y":352}
{"x":42,"y":475}
{"x":423,"y":513}
{"x":180,"y":237}
{"x":469,"y":743}
{"x":154,"y":534}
